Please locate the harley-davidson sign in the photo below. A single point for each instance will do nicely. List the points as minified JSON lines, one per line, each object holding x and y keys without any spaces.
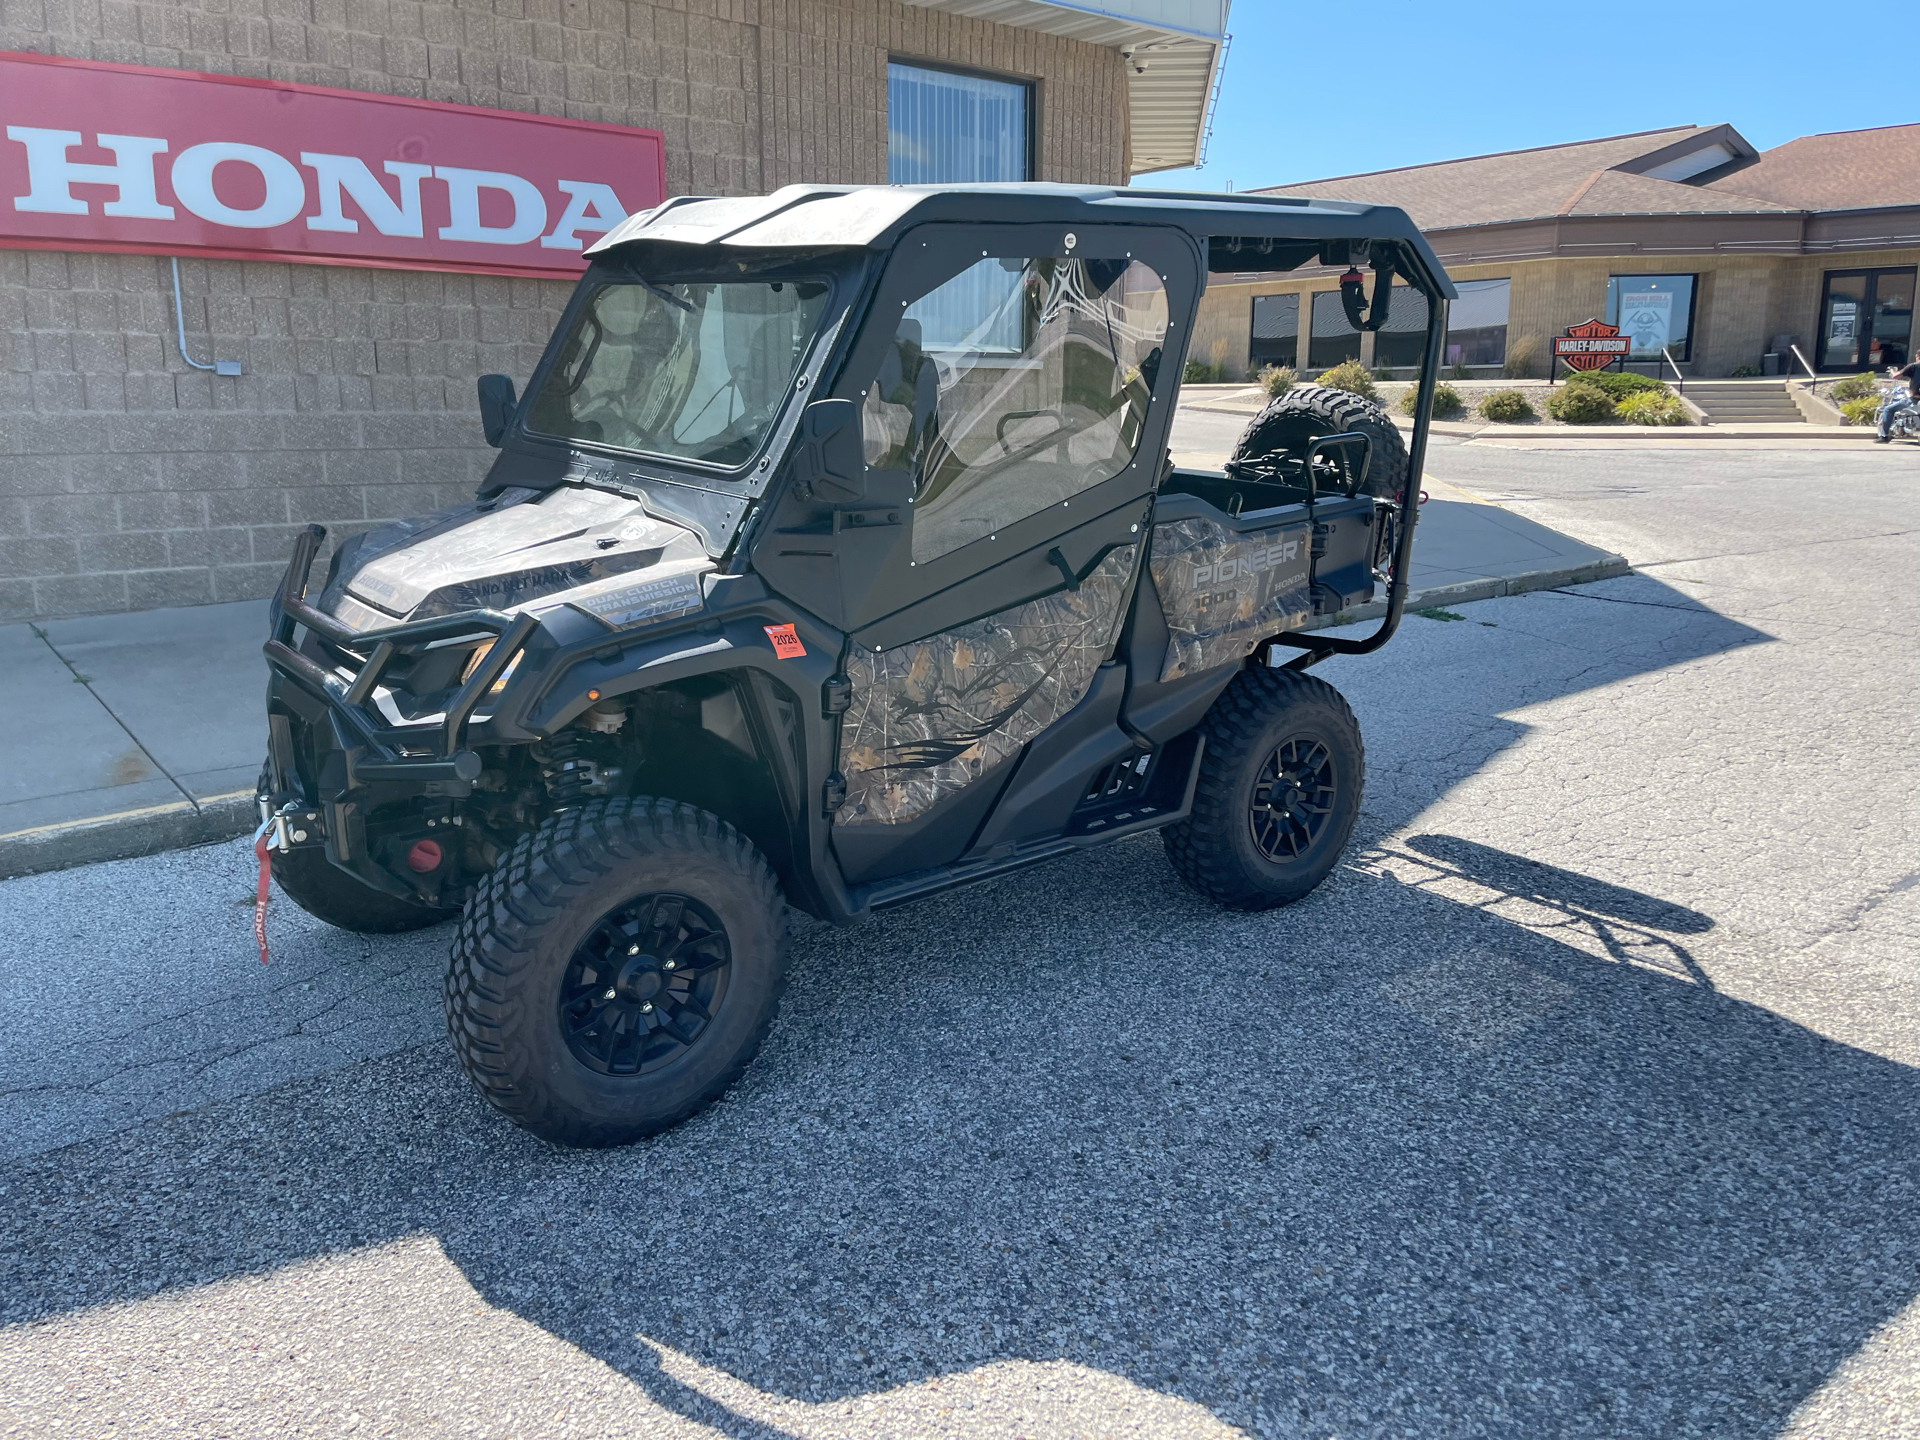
{"x":130,"y":159}
{"x":1593,"y":345}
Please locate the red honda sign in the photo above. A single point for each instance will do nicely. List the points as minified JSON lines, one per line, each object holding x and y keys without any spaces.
{"x":130,"y":159}
{"x":1591,"y":345}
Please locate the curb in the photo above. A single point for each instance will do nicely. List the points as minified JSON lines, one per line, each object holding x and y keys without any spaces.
{"x":126,"y":835}
{"x":1465,"y":592}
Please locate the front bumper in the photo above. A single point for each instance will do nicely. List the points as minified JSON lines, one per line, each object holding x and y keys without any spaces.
{"x":353,"y":759}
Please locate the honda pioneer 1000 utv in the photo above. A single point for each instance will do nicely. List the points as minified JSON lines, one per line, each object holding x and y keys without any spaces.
{"x":833,"y":558}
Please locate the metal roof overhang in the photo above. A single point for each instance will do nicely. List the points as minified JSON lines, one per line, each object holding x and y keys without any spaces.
{"x":1173,"y":50}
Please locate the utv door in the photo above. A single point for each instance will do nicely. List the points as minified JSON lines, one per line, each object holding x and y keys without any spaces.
{"x":1013,"y":387}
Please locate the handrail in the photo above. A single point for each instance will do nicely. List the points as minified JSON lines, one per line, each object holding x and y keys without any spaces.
{"x":1812,"y":374}
{"x":1679,"y":380}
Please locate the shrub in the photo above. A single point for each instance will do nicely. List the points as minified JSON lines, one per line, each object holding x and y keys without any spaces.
{"x":1854,"y":387}
{"x":1522,"y":351}
{"x":1861,"y":410}
{"x":1350,"y":376}
{"x":1383,"y":371}
{"x":1744,"y":372}
{"x":1617,"y":384}
{"x":1459,"y":371}
{"x":1446,"y":401}
{"x":1508,"y":407}
{"x":1650,"y":407}
{"x":1198,"y":372}
{"x":1217,"y":359}
{"x":1580,"y":405}
{"x":1278,"y":379}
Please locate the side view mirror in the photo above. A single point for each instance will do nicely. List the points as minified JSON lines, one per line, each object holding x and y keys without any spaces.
{"x":497,"y":404}
{"x":830,"y":459}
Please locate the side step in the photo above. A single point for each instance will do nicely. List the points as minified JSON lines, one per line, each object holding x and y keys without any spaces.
{"x":1169,"y":799}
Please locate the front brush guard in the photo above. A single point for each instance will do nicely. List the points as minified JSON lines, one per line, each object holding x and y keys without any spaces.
{"x":370,"y":750}
{"x":347,"y":703}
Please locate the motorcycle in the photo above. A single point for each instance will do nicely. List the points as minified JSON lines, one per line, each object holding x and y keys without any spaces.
{"x":1906,"y":423}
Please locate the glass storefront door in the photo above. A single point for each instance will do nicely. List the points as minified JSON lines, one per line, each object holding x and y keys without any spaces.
{"x":1866,"y":319}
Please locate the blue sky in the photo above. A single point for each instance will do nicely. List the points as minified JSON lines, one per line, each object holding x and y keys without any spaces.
{"x":1312,"y":91}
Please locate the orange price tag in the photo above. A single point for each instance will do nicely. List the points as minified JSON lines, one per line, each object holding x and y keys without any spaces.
{"x":786,"y":644}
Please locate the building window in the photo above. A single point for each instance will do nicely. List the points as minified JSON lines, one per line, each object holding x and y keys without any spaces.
{"x":1477,"y":323}
{"x":1402,"y":341}
{"x":1655,"y":311}
{"x":1276,"y":331}
{"x":1333,"y":339}
{"x":949,"y":128}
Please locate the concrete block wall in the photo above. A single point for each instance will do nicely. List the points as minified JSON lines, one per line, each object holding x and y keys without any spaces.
{"x":132,"y":481}
{"x":129,"y":480}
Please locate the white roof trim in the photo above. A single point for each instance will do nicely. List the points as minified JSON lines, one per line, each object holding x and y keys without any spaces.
{"x":1173,"y":49}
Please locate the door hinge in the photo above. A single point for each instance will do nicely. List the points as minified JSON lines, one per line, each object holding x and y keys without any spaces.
{"x":836,"y":696}
{"x":834,"y":792}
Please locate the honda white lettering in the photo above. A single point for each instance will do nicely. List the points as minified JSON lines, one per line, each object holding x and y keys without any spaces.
{"x":50,"y":174}
{"x":237,"y":172}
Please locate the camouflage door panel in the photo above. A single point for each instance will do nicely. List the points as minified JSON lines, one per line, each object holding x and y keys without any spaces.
{"x":1224,"y":589}
{"x":930,"y":718}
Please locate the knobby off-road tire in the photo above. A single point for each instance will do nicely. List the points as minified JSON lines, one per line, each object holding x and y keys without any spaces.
{"x":1306,"y":412}
{"x":328,"y":893}
{"x":1278,"y":793}
{"x":564,"y":1057}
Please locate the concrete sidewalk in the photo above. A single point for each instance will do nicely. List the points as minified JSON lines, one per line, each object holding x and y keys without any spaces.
{"x":126,"y":734}
{"x":129,"y":734}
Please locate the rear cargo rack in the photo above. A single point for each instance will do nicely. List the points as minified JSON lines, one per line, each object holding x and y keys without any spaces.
{"x":1318,"y":647}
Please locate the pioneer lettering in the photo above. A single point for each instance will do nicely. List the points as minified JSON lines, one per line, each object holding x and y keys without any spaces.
{"x":1234,"y":568}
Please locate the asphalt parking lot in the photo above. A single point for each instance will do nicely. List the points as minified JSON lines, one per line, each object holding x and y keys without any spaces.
{"x":1581,"y":1102}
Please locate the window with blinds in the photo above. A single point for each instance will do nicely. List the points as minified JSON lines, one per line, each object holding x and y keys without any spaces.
{"x":949,"y":128}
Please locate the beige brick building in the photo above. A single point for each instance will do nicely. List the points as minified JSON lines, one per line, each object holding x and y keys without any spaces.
{"x":1720,"y":255}
{"x":129,"y":479}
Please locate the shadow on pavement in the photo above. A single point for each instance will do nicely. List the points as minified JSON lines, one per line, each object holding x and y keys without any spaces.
{"x":1525,"y":879}
{"x":1388,"y":1162}
{"x":1629,"y":925}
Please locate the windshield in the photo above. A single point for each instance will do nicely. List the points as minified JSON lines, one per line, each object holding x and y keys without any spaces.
{"x":687,"y":370}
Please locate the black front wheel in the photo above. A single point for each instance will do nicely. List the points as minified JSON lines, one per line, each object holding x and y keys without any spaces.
{"x":1278,"y":793}
{"x":617,"y":971}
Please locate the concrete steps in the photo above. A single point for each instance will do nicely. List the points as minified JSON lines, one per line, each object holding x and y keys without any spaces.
{"x":1736,"y":402}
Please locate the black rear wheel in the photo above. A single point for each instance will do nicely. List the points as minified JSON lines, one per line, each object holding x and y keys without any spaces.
{"x":617,"y":971}
{"x":1278,"y":793}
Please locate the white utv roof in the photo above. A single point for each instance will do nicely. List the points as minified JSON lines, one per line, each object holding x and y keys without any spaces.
{"x":1239,"y":228}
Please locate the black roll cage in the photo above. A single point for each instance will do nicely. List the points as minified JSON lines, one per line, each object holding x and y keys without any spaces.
{"x":1389,"y":259}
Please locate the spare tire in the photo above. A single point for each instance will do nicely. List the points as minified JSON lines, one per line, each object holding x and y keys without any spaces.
{"x":1306,"y":412}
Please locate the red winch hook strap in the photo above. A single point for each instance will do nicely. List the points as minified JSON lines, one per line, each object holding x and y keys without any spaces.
{"x":260,"y":891}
